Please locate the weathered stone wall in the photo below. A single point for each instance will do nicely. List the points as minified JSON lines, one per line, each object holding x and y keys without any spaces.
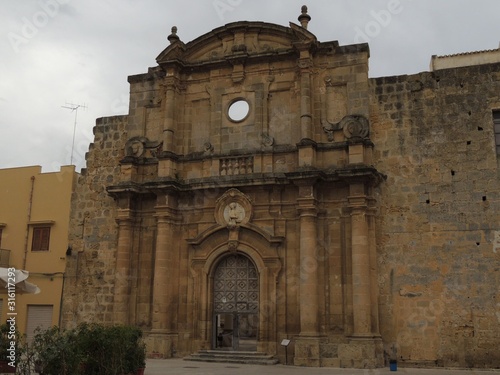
{"x":438,"y":221}
{"x":330,"y":243}
{"x":90,"y":269}
{"x":147,"y":257}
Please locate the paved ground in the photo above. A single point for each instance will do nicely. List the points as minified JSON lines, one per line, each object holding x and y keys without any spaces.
{"x":181,"y":367}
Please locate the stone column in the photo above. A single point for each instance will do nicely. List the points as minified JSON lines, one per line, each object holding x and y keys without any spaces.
{"x":365,"y":347}
{"x":166,"y":279}
{"x":122,"y":273}
{"x":168,"y":124}
{"x":305,"y":64}
{"x":307,"y":146}
{"x":307,"y":345}
{"x":361,"y":275}
{"x":161,"y":293}
{"x":167,"y":164}
{"x":372,"y":241}
{"x":308,"y":269}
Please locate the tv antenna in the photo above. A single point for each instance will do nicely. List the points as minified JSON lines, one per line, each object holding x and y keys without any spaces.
{"x":74,"y":108}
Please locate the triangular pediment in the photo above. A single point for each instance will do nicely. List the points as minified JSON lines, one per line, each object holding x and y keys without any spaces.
{"x":249,"y":39}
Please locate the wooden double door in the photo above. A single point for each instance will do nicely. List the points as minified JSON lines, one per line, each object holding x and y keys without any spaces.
{"x":236,"y":304}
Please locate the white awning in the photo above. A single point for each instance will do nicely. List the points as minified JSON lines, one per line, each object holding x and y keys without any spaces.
{"x":19,"y":279}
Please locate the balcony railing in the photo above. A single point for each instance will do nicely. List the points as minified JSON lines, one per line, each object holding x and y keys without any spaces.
{"x":236,"y":166}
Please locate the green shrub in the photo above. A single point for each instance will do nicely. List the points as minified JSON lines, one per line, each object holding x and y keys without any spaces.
{"x":89,"y":349}
{"x":111,"y":349}
{"x":57,"y":352}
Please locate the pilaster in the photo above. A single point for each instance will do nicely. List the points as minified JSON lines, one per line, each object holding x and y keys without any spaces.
{"x":361,"y":288}
{"x":307,"y":346}
{"x":122,"y":272}
{"x":167,"y":165}
{"x":305,"y":65}
{"x":166,"y":278}
{"x":365,"y":349}
{"x":308,"y":267}
{"x":122,"y":287}
{"x":169,"y":121}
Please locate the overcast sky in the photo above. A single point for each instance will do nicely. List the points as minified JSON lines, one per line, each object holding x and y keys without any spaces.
{"x":54,"y":52}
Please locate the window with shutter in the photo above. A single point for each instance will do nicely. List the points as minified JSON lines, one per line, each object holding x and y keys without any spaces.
{"x":41,"y":238}
{"x":39,"y":316}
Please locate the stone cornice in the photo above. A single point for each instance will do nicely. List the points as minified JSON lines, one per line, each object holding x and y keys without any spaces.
{"x":349,"y":174}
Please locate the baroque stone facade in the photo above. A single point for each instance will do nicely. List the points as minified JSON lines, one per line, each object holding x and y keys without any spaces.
{"x":355,"y":217}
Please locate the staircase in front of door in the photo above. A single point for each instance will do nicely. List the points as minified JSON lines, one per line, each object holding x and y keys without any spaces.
{"x":253,"y":358}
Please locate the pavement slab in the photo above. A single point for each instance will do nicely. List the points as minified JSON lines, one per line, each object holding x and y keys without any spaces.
{"x":181,"y":367}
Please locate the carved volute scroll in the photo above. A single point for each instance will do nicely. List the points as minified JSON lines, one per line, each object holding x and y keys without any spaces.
{"x":354,"y":127}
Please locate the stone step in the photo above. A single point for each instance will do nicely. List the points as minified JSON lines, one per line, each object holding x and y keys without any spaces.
{"x":254,"y":358}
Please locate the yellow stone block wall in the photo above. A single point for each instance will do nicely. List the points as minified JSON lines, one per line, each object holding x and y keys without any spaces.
{"x":438,"y":216}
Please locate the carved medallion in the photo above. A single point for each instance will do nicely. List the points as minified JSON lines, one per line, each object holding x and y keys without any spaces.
{"x":234,"y":213}
{"x":141,"y":147}
{"x":355,"y":126}
{"x":135,"y":147}
{"x":233,"y":209}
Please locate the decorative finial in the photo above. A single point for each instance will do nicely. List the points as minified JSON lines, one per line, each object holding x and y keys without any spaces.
{"x":172,"y":38}
{"x":304,"y":18}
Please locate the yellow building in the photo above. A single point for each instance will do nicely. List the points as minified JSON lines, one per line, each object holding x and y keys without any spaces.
{"x":34,"y":218}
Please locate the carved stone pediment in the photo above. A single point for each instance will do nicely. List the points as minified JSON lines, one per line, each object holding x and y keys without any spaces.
{"x":301,"y":34}
{"x":235,"y":41}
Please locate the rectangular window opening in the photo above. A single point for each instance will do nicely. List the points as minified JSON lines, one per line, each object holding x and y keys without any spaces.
{"x":496,"y":126}
{"x":41,"y":239}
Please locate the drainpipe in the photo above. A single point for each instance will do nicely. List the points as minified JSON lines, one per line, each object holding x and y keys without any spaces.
{"x":28,"y":223}
{"x":61,"y":299}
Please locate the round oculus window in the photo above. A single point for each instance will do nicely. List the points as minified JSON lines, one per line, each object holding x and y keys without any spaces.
{"x":238,"y":110}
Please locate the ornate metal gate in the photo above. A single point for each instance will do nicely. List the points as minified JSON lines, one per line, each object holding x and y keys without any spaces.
{"x":236,"y":303}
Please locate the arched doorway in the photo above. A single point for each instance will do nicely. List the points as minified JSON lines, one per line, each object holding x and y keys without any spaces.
{"x":236,"y":304}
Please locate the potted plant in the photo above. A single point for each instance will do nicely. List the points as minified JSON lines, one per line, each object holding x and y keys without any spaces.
{"x":140,"y":359}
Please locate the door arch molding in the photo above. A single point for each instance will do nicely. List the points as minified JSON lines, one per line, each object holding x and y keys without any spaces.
{"x":268,"y":266}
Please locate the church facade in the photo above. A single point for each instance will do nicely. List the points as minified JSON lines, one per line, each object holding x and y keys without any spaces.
{"x":263,"y":188}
